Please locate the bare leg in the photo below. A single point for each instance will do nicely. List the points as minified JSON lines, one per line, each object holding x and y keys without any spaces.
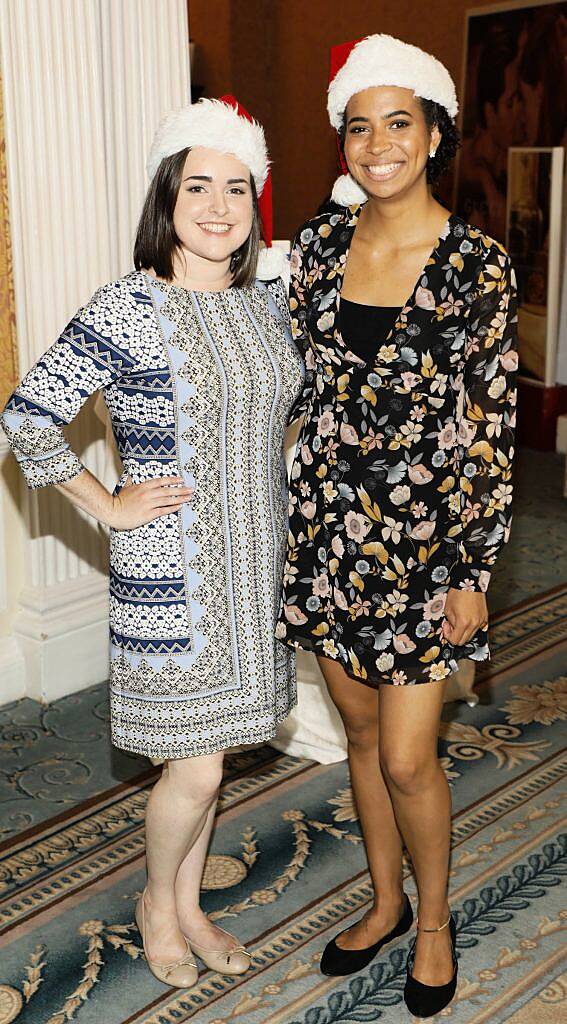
{"x":409,"y":726}
{"x":178,"y":810}
{"x":358,"y":706}
{"x":192,"y":921}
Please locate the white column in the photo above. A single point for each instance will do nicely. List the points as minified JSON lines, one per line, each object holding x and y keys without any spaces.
{"x":12,"y":665}
{"x":85,"y":83}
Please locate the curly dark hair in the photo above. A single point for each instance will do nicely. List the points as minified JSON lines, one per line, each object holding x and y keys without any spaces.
{"x":434,"y":114}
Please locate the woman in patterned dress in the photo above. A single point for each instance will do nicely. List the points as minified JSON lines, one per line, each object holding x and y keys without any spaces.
{"x":199,"y":373}
{"x":401,"y":487}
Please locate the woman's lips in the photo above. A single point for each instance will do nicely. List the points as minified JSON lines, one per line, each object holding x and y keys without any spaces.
{"x":212,"y":228}
{"x":383,"y":172}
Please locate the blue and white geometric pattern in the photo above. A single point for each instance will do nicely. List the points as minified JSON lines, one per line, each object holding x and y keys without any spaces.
{"x":201,"y":385}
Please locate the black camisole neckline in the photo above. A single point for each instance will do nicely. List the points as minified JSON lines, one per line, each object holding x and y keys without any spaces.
{"x":364,"y":327}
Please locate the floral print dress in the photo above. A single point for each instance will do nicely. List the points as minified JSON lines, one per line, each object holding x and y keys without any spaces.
{"x":401,"y":484}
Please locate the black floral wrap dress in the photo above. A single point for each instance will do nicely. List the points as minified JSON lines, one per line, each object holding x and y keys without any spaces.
{"x":401,"y":484}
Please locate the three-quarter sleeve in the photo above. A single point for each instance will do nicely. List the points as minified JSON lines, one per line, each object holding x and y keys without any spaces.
{"x":299,"y":328}
{"x":486,"y":425}
{"x":84,"y":359}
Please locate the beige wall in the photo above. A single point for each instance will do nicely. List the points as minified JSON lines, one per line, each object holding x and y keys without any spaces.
{"x":274,"y":56}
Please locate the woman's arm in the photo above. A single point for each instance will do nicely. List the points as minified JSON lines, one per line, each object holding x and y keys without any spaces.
{"x":486,"y":433}
{"x":135,"y":505}
{"x":299,"y":329}
{"x":486,"y":427}
{"x":84,"y":359}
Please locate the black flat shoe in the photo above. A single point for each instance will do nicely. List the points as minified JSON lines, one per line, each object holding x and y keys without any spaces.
{"x":337,"y":962}
{"x":427,"y":1000}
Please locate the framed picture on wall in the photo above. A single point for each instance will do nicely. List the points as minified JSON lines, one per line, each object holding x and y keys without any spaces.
{"x":533,"y":239}
{"x":514,"y":94}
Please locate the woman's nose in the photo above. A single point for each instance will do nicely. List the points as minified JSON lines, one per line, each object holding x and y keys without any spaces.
{"x":218,"y":203}
{"x":378,"y":143}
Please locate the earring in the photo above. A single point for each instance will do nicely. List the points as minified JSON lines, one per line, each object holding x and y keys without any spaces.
{"x":432,"y":153}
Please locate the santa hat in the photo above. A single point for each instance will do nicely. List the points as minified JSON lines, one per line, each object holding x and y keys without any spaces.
{"x":381,"y":60}
{"x":226,"y":126}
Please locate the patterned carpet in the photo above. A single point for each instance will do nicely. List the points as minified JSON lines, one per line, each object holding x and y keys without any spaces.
{"x":287,"y":867}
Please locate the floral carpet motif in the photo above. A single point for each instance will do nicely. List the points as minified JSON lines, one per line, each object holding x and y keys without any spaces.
{"x":287,"y":869}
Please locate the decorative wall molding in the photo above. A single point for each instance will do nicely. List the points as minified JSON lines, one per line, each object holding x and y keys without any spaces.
{"x":8,"y":348}
{"x":89,"y":81}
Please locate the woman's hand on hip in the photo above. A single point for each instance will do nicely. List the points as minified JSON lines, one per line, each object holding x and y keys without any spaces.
{"x":138,"y":504}
{"x":466,"y":612}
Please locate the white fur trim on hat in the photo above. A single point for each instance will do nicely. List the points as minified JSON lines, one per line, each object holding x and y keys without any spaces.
{"x":215,"y":125}
{"x":383,"y":60}
{"x":272,"y":263}
{"x":347,"y":191}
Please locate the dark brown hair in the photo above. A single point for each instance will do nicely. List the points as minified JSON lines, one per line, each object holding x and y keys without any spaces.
{"x":156,"y":239}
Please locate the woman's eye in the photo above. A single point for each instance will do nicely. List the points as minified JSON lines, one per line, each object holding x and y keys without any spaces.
{"x":237,"y":191}
{"x":196,"y":188}
{"x":357,"y":129}
{"x":399,"y":124}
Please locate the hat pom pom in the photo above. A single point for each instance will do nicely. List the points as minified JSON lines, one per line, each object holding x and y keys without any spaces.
{"x":347,"y":191}
{"x":271,"y":263}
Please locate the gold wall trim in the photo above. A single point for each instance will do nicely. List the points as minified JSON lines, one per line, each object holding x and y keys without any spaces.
{"x":8,"y":344}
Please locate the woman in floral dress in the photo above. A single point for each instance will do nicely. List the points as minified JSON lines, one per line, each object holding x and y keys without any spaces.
{"x":401,"y":486}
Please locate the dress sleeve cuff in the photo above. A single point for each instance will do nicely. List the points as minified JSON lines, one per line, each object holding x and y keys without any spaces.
{"x":470,"y":576}
{"x":56,"y":469}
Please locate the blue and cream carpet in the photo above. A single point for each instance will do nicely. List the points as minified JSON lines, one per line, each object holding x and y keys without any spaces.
{"x":287,"y":867}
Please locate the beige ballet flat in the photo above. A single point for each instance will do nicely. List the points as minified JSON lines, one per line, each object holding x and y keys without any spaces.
{"x":181,"y":974}
{"x":232,"y":961}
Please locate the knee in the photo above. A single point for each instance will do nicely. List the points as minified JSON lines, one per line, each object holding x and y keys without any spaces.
{"x":362,"y":733}
{"x":196,"y":779}
{"x":406,"y":772}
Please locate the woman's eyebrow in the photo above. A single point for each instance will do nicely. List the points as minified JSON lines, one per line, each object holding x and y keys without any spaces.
{"x":206,"y":177}
{"x":395,"y":113}
{"x":385,"y":117}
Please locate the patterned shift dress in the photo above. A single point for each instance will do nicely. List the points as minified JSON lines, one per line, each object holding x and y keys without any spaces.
{"x":401,"y":484}
{"x":200,"y":385}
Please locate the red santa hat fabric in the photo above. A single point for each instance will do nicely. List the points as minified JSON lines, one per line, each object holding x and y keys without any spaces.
{"x":381,"y":60}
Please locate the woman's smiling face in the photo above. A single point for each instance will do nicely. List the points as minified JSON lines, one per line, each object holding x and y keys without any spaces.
{"x":214,"y":209}
{"x":387,"y":141}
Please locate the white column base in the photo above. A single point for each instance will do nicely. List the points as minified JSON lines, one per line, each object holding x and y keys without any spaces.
{"x":62,"y":632}
{"x":12,"y":670}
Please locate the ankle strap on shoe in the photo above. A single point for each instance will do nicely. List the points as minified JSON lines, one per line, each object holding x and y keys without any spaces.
{"x":420,"y":929}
